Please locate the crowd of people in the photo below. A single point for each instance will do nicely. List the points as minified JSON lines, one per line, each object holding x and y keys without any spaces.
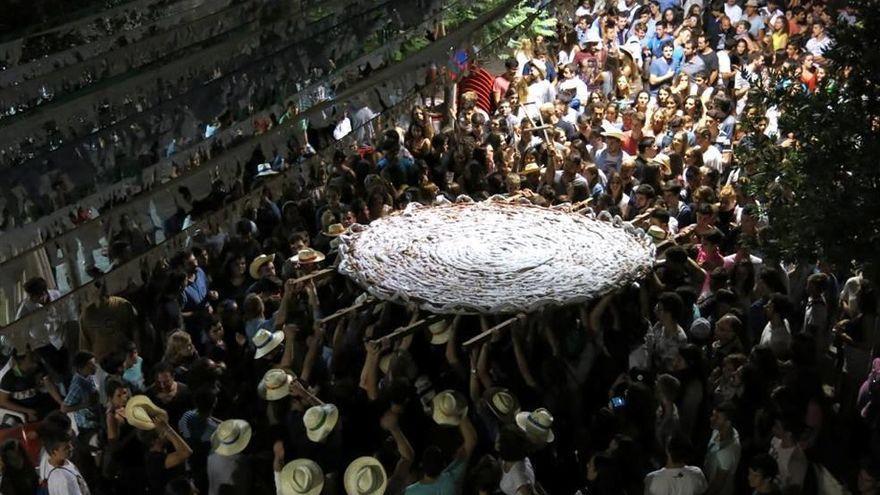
{"x":245,"y":365}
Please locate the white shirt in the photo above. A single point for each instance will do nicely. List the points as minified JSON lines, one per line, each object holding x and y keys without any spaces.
{"x":520,"y":474}
{"x":723,"y":457}
{"x":817,"y":47}
{"x":712,"y":159}
{"x":776,"y":338}
{"x":580,"y":89}
{"x":734,"y":12}
{"x":688,"y":480}
{"x":66,"y":480}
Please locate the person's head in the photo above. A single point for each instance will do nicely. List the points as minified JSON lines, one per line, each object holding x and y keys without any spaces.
{"x":645,"y":195}
{"x":433,"y":462}
{"x":667,"y":50}
{"x":669,"y":305}
{"x":165,"y":382}
{"x":642,"y":100}
{"x":84,"y":363}
{"x":59,"y":448}
{"x":722,"y":416}
{"x":778,"y":306}
{"x":118,"y":392}
{"x":13,"y":458}
{"x":648,"y":148}
{"x":205,"y":399}
{"x":818,"y":29}
{"x":179,"y":347}
{"x":763,"y":469}
{"x":728,"y":328}
{"x":678,"y":449}
{"x":37,"y":290}
{"x":666,"y":388}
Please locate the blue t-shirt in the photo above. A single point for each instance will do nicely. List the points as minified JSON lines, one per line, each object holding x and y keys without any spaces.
{"x":196,"y":292}
{"x":82,"y":388}
{"x":655,"y":44}
{"x":659,"y":68}
{"x":446,"y":484}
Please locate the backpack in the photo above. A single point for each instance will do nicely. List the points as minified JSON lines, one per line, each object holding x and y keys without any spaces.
{"x":43,"y":488}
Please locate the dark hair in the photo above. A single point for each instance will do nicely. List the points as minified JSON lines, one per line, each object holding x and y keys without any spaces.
{"x":433,"y":461}
{"x":645,"y":143}
{"x":113,"y":384}
{"x":36,"y":286}
{"x":679,"y":448}
{"x":672,"y":303}
{"x":54,"y":442}
{"x":179,"y":486}
{"x":781,"y":304}
{"x":82,"y":358}
{"x":163,"y":367}
{"x":764,"y":464}
{"x":512,"y":444}
{"x":511,"y":63}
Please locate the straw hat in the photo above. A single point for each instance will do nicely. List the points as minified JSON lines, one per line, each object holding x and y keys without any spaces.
{"x":365,"y":476}
{"x":439,"y":332}
{"x":663,"y":160}
{"x":301,"y":477}
{"x":334,"y":230}
{"x":657,"y":234}
{"x":265,"y":341}
{"x":449,"y":407}
{"x":614,"y":133}
{"x":320,"y":421}
{"x":309,"y":255}
{"x":275,"y":384}
{"x":231,"y":437}
{"x":258,"y":263}
{"x":531,"y":168}
{"x":503,"y":404}
{"x":140,"y":411}
{"x":536,"y":424}
{"x":385,"y":362}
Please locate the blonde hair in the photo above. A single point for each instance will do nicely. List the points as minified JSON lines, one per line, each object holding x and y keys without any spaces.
{"x":178,"y":346}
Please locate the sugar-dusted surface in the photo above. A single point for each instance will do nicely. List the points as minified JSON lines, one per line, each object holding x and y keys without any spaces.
{"x":492,"y":257}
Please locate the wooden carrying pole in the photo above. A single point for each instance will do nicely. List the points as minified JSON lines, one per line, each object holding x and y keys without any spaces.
{"x":490,"y":331}
{"x":344,"y":311}
{"x":316,"y":274}
{"x":409,"y":329}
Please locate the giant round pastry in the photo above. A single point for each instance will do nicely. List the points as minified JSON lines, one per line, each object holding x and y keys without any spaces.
{"x":492,"y":257}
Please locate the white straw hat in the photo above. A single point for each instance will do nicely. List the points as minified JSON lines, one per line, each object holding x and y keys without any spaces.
{"x":231,"y":437}
{"x":320,"y":421}
{"x":365,"y":476}
{"x":140,"y":411}
{"x":275,"y":384}
{"x":449,"y":408}
{"x":266,"y":341}
{"x":301,"y":477}
{"x":536,"y":424}
{"x":439,"y":332}
{"x":503,"y":404}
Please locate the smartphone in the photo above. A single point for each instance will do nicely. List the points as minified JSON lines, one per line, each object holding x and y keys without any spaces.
{"x":618,"y":402}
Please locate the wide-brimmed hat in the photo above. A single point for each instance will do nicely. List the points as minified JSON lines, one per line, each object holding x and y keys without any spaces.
{"x":503,"y":404}
{"x":275,"y":384}
{"x":536,"y":424}
{"x":301,"y":477}
{"x":449,"y":408}
{"x":663,"y":160}
{"x":266,"y":341}
{"x":320,"y":421}
{"x":531,"y":168}
{"x":265,"y":169}
{"x":140,"y":411}
{"x":258,"y":263}
{"x":308,"y":255}
{"x":231,"y":437}
{"x":365,"y":476}
{"x":334,"y":230}
{"x":657,"y":234}
{"x":614,"y":133}
{"x":439,"y":332}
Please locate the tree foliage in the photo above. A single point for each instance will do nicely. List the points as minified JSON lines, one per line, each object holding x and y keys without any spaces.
{"x":821,"y":189}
